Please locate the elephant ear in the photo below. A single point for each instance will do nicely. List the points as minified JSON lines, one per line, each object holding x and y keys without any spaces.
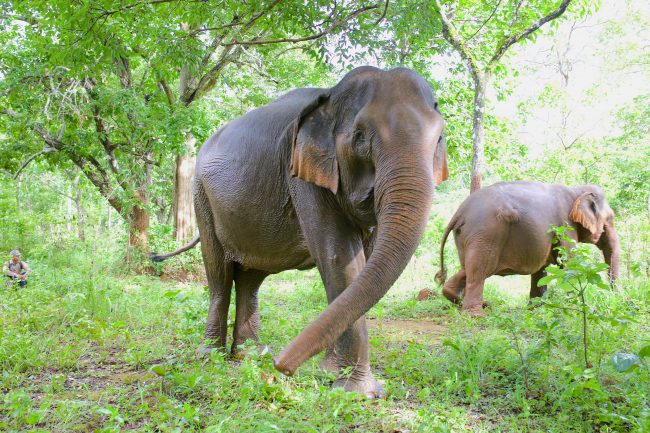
{"x":584,"y":212}
{"x":313,"y":152}
{"x":440,"y":169}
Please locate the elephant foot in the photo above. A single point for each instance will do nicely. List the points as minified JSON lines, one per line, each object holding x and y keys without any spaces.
{"x":240,"y":351}
{"x":367,"y":386}
{"x":474,"y":311}
{"x":204,"y":350}
{"x":329,"y":363}
{"x":451,"y":296}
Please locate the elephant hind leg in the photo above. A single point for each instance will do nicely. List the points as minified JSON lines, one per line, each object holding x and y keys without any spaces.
{"x":479,"y":264}
{"x":454,"y":287}
{"x":219,"y":272}
{"x":247,"y":315}
{"x":535,"y":291}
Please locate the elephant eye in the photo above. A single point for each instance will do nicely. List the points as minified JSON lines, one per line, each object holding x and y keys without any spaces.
{"x":593,"y":207}
{"x":358,"y":137}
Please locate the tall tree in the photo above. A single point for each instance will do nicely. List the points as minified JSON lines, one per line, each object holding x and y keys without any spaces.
{"x":481,"y":33}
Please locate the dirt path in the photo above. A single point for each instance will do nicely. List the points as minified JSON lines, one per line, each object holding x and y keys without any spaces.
{"x":420,"y":330}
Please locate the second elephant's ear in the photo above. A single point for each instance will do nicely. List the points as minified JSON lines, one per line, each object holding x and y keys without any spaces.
{"x":313,"y":151}
{"x":440,"y":168}
{"x":584,"y":212}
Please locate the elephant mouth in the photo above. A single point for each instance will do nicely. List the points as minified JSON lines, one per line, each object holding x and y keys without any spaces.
{"x":363,"y":210}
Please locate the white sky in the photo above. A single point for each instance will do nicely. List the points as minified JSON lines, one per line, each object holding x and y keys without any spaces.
{"x":598,"y":85}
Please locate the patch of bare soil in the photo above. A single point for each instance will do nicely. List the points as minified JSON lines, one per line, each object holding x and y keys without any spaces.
{"x":182,"y":275}
{"x":420,"y":330}
{"x":96,"y":371}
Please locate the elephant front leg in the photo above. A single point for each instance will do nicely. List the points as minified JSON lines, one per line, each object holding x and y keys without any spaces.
{"x":330,"y":362}
{"x":535,"y":290}
{"x":351,"y":351}
{"x":337,"y":248}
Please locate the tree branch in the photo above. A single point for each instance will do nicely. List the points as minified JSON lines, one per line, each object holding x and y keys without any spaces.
{"x":209,"y":79}
{"x":47,"y":184}
{"x":168,"y":91}
{"x":513,"y":39}
{"x":313,"y":37}
{"x":31,"y":158}
{"x":89,"y":166}
{"x":451,"y":35}
{"x":236,"y":21}
{"x":383,"y":14}
{"x":486,"y":21}
{"x":29,"y":20}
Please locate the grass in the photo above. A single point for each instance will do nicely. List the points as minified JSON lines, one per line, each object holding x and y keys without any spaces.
{"x":117,"y":354}
{"x":89,"y":351}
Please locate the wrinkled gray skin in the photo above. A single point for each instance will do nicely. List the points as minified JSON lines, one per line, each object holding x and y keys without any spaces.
{"x":504,"y":229}
{"x":303,"y":181}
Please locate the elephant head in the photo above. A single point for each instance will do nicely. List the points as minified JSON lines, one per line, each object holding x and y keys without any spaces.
{"x":595,"y":220}
{"x":374,"y":141}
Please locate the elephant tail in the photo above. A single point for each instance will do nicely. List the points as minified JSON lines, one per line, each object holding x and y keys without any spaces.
{"x":441,"y":276}
{"x":161,"y":257}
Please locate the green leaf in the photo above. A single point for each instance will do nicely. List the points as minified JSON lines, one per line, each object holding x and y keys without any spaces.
{"x":158,"y":369}
{"x":624,"y":361}
{"x":449,"y":343}
{"x":171,"y":294}
{"x":546,"y":280}
{"x":645,"y":352}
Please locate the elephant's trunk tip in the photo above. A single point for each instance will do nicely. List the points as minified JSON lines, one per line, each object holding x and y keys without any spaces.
{"x":281,"y":366}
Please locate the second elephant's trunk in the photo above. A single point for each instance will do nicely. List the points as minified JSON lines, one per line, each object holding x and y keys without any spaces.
{"x":609,"y":244}
{"x":403,"y":204}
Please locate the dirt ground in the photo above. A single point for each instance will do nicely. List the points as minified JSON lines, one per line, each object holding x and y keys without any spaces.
{"x":419,"y":330}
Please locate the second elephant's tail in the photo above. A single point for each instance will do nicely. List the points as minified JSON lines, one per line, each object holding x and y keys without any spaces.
{"x":441,"y":276}
{"x":160,"y":257}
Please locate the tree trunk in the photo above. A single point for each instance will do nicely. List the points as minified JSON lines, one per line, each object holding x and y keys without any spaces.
{"x":138,"y":217}
{"x":182,"y":203}
{"x":80,"y":210}
{"x":139,"y":224}
{"x":69,"y":212}
{"x":478,"y":119}
{"x":184,"y":219}
{"x":109,"y":217}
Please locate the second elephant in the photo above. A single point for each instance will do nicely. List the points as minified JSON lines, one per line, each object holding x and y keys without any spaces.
{"x":503,"y":229}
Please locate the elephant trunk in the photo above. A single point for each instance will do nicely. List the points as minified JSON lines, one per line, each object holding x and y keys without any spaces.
{"x":403,"y":198}
{"x":611,"y":249}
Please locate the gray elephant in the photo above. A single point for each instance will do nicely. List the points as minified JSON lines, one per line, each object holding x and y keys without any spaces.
{"x":303,"y":181}
{"x":504,"y":230}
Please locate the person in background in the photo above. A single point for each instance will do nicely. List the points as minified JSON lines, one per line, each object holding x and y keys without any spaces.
{"x":16,"y":270}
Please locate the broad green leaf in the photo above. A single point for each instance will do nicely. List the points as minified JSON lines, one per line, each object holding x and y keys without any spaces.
{"x":624,"y":361}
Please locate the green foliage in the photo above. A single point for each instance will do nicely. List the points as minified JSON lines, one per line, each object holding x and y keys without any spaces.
{"x":85,"y":350}
{"x":575,"y":274}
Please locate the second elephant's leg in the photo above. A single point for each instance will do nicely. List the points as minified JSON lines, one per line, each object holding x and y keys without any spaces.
{"x":479,"y":264}
{"x":535,"y":291}
{"x":247,"y":314}
{"x":455,"y":287}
